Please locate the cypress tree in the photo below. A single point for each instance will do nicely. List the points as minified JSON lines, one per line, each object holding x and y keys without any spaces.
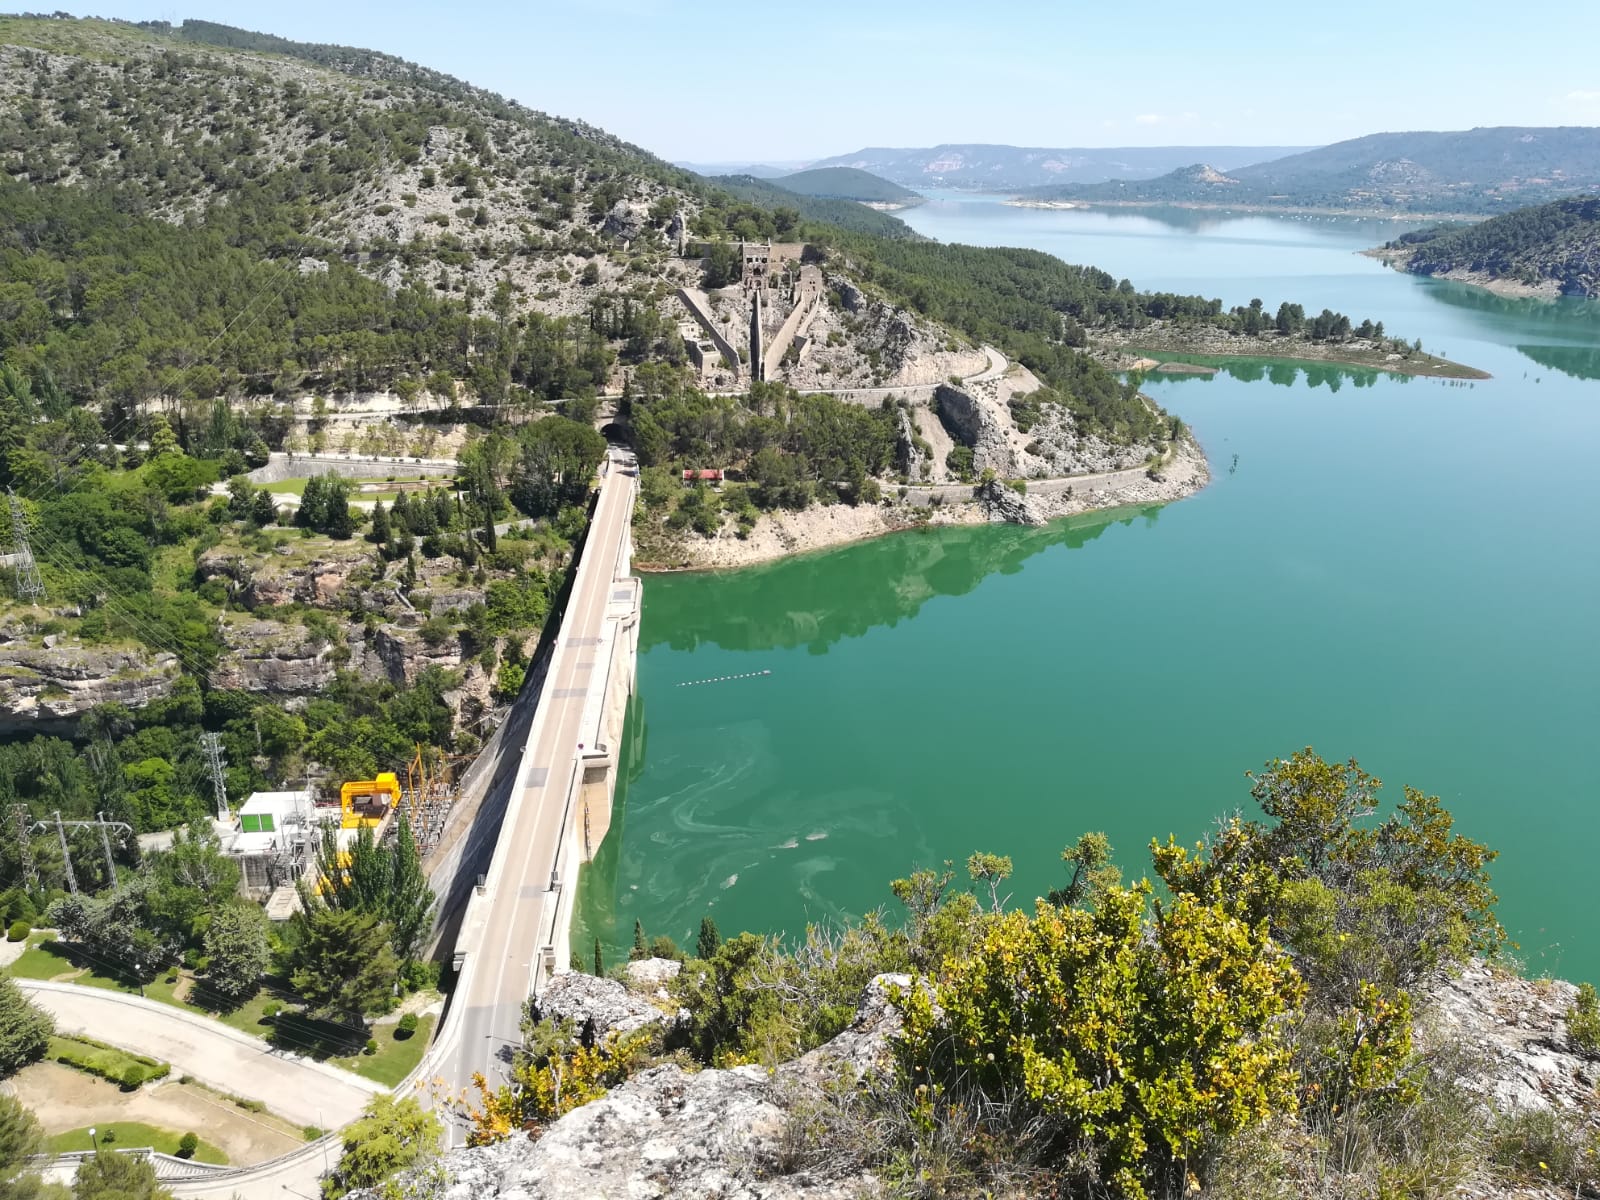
{"x":640,"y":950}
{"x":706,"y":945}
{"x":380,"y":525}
{"x":599,"y":962}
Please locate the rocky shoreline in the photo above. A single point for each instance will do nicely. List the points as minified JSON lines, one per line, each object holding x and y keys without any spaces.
{"x":782,"y":534}
{"x":1399,"y":259}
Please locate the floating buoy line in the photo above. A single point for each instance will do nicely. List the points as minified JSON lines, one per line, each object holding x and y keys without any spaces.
{"x":725,"y":678}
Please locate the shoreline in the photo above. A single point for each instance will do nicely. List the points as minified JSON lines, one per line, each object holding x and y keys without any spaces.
{"x":1297,"y":210}
{"x":1126,"y":355}
{"x":783,"y":535}
{"x":1515,"y":289}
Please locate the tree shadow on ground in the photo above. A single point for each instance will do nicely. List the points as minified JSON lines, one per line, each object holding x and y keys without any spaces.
{"x":306,"y":1035}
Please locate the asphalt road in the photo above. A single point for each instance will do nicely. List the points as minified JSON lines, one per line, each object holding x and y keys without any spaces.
{"x":299,"y":1090}
{"x":499,"y":973}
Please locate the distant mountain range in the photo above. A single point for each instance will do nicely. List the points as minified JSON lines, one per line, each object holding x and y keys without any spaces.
{"x":1475,"y":171}
{"x":1011,"y":168}
{"x":755,"y":170}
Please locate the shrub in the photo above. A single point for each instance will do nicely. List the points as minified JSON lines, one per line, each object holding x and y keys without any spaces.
{"x":132,"y":1077}
{"x":371,"y":1046}
{"x":188,"y":1144}
{"x":109,"y":1136}
{"x":407,"y":1026}
{"x":311,"y":1132}
{"x":1583,"y":1020}
{"x":108,"y":1062}
{"x":1140,"y":1038}
{"x":271,"y":1010}
{"x":19,"y":931}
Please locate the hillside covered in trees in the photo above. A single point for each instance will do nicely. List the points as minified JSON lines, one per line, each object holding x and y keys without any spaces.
{"x":847,"y":183}
{"x":1552,"y":246}
{"x":1489,"y":170}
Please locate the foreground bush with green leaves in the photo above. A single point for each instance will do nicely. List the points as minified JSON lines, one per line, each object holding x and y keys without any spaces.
{"x":1255,"y":1024}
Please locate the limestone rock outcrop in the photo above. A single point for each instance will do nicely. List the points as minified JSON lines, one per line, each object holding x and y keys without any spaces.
{"x":625,"y":221}
{"x":604,"y":1005}
{"x":1518,"y":1031}
{"x":47,"y":688}
{"x":712,"y":1135}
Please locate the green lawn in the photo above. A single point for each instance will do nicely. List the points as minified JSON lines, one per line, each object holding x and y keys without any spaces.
{"x":133,"y":1135}
{"x":44,"y":958}
{"x":342,"y":1047}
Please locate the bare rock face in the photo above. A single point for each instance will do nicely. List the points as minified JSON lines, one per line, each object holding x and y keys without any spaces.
{"x":717,"y":1135}
{"x":604,"y":1006}
{"x":976,"y":418}
{"x":1001,"y":504}
{"x":47,"y":688}
{"x":1518,"y":1029}
{"x":652,"y":972}
{"x":266,"y":656}
{"x":626,"y":221}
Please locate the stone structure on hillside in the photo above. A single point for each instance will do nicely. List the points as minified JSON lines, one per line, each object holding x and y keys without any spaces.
{"x":773,"y":304}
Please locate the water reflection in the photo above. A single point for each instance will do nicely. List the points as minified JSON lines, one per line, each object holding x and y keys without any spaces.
{"x":1283,"y":372}
{"x":791,"y":603}
{"x":1580,"y":362}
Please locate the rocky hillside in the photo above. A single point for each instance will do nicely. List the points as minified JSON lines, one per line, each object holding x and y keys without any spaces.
{"x":742,"y":1133}
{"x":1550,"y":249}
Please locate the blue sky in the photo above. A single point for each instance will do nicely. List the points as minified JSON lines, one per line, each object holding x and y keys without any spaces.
{"x":711,"y":80}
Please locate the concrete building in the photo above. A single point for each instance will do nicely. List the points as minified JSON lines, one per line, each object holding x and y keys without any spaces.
{"x":274,"y":836}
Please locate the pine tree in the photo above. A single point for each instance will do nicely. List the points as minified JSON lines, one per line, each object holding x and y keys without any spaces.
{"x":25,"y":1029}
{"x":706,"y":945}
{"x":400,"y":514}
{"x":640,"y":950}
{"x":262,"y":510}
{"x":410,"y":899}
{"x":380,"y":525}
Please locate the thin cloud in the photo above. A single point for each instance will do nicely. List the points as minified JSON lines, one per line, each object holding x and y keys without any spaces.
{"x":1584,"y":97}
{"x":1149,"y":119}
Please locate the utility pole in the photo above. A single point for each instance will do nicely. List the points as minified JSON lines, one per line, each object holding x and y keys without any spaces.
{"x":66,"y":855}
{"x":30,"y":586}
{"x":212,"y":744}
{"x":105,"y":844}
{"x":22,"y":821}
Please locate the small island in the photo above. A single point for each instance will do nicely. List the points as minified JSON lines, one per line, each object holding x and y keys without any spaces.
{"x":1289,"y":334}
{"x":1546,"y":251}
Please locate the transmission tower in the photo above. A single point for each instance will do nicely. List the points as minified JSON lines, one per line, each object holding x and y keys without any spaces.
{"x":100,"y":822}
{"x":30,"y":586}
{"x":66,"y":854}
{"x":212,"y":744}
{"x":105,"y":844}
{"x":22,"y":821}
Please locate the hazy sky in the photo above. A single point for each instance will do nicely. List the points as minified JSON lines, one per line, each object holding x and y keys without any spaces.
{"x":709,"y":80}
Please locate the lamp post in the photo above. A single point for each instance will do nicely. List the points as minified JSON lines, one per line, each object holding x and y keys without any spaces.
{"x":93,"y":1145}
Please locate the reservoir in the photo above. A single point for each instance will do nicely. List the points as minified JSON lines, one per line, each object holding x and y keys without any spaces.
{"x":1402,"y":571}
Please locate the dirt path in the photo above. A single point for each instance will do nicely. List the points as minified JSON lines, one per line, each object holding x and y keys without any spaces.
{"x":65,"y":1099}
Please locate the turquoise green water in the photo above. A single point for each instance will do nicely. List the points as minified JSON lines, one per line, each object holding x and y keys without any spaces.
{"x":1403,"y":571}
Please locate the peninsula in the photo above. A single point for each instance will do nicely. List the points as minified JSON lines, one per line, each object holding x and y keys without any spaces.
{"x":1547,"y":250}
